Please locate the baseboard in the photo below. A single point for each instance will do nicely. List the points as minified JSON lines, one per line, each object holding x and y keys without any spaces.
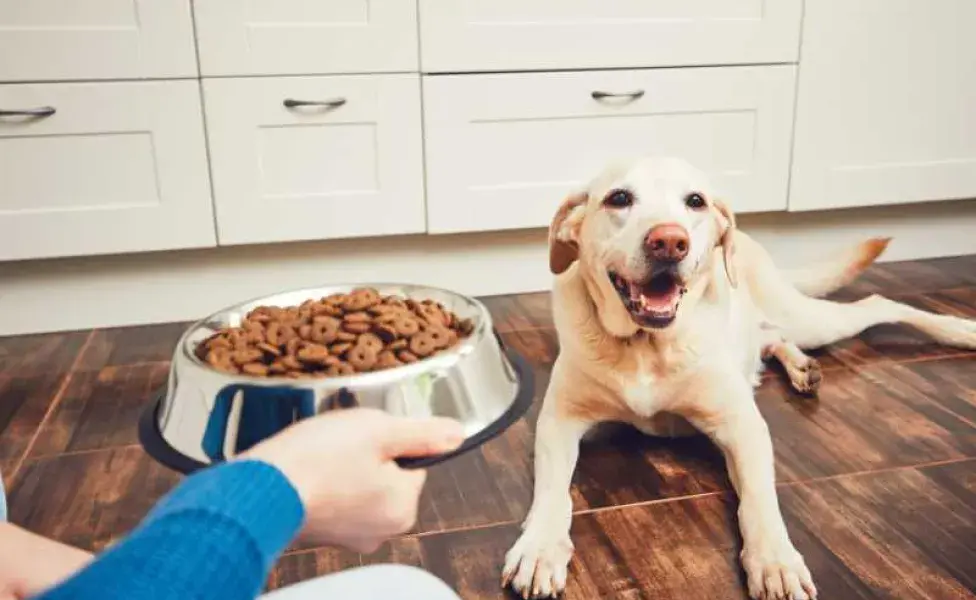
{"x":81,"y":293}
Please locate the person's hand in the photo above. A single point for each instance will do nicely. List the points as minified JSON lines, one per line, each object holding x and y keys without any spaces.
{"x":342,"y":465}
{"x":30,"y":563}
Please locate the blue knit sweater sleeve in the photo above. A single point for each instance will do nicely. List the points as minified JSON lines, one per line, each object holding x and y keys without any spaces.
{"x":216,"y":536}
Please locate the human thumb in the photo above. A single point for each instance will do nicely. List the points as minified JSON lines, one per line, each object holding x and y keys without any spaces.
{"x":422,"y":437}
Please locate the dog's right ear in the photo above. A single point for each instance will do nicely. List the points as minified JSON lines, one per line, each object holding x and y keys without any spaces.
{"x":563,"y":231}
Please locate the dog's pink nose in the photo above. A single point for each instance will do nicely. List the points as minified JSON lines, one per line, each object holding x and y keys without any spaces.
{"x":668,"y":242}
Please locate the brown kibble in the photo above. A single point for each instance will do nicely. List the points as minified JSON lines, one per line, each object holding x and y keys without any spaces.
{"x":346,"y":336}
{"x":256,"y":369}
{"x":313,"y":354}
{"x":362,"y":358}
{"x":361,"y":299}
{"x":340,"y":369}
{"x":292,"y":363}
{"x":292,"y":346}
{"x":385,"y":332}
{"x":423,"y":344}
{"x":371,"y":341}
{"x":407,"y":356}
{"x":221,"y":360}
{"x":406,"y":326}
{"x":387,"y":360}
{"x":324,"y":330}
{"x":465,"y":326}
{"x":441,"y":337}
{"x":357,"y":327}
{"x":269,"y":349}
{"x":340,"y":334}
{"x":357,"y":317}
{"x":327,"y":309}
{"x":272,"y":333}
{"x":340,"y":348}
{"x":277,"y":368}
{"x":242,"y":357}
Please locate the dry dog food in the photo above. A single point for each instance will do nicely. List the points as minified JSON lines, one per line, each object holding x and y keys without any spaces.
{"x":341,"y":334}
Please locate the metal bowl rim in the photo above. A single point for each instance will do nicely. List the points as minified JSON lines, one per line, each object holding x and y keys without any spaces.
{"x":445,"y":359}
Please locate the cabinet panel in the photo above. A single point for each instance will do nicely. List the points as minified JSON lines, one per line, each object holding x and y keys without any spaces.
{"x":503,"y":150}
{"x":484,"y":35}
{"x":349,"y":166}
{"x":109,"y":39}
{"x":885,"y":105}
{"x":111,"y":168}
{"x":298,"y":37}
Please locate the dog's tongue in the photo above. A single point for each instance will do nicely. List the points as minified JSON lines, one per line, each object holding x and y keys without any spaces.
{"x":657,"y":295}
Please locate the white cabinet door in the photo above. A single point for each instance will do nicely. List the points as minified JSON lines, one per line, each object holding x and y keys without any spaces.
{"x":44,"y":40}
{"x":487,"y":35}
{"x":298,"y":37}
{"x":503,"y":150}
{"x":112,"y":168}
{"x":886,"y":105}
{"x":350,"y":166}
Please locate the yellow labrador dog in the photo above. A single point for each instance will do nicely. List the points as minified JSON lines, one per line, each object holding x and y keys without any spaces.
{"x":664,"y":313}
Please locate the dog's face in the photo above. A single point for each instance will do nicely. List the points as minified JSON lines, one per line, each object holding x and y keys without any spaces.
{"x":644,"y":231}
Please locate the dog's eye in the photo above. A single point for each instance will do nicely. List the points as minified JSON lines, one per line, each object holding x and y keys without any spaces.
{"x":695,"y":201}
{"x":619,"y":199}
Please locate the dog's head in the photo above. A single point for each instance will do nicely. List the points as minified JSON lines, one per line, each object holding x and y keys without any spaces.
{"x":643,"y":232}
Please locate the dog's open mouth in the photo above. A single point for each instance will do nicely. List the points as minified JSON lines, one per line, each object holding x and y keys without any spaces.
{"x":651,"y":303}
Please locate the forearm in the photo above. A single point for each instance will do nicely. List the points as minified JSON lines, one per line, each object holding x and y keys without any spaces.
{"x":216,"y":537}
{"x":30,"y":563}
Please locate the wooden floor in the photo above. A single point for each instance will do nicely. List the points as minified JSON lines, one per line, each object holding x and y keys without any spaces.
{"x":877,"y":477}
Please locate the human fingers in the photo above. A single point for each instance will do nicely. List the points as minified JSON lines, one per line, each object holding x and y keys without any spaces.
{"x":421,"y":437}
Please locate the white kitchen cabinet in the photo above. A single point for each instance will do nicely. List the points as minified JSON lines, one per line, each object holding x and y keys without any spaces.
{"x":503,"y":150}
{"x":349,"y":164}
{"x":886,"y":104}
{"x":496,"y":35}
{"x":285,"y":37}
{"x":43,"y":40}
{"x":102,"y":168}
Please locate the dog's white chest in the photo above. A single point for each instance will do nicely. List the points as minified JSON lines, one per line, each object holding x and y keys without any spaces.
{"x":642,"y":389}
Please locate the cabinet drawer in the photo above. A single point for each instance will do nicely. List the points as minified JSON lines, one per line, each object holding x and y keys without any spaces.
{"x":302,"y":37}
{"x":110,"y":39}
{"x":119,"y":167}
{"x":315,"y":172}
{"x":485,"y":35}
{"x":503,"y":150}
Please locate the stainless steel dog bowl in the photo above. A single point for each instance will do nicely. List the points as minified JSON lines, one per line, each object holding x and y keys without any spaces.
{"x":204,"y":416}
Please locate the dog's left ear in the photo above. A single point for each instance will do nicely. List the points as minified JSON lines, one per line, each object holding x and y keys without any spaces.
{"x":726,"y":239}
{"x":563,"y":247}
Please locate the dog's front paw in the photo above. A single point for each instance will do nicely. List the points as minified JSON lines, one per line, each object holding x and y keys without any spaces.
{"x":778,"y":575}
{"x":536,"y":566}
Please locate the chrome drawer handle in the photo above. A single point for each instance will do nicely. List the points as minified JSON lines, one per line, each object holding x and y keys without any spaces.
{"x":635,"y":95}
{"x":37,"y":113}
{"x":332,"y":103}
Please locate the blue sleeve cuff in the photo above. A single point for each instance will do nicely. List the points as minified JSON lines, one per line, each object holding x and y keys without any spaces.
{"x":250,"y":493}
{"x":216,"y":535}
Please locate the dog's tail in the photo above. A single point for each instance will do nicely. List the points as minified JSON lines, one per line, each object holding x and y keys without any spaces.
{"x":834,"y":272}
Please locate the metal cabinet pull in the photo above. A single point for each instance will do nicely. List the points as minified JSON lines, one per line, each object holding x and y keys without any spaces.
{"x":39,"y":113}
{"x":635,"y":95}
{"x":331,"y":103}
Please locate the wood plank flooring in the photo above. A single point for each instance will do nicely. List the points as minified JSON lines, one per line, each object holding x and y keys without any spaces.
{"x":877,"y":477}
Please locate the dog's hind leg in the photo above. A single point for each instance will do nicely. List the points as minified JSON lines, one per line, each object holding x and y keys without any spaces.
{"x":812,"y":323}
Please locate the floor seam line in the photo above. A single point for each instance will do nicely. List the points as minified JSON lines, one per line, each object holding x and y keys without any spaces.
{"x":55,"y":401}
{"x":730,"y":491}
